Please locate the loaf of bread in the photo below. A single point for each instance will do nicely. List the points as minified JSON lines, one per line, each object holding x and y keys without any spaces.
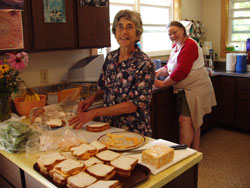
{"x":158,"y":155}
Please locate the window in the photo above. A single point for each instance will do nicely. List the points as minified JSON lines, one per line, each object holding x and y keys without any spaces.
{"x":156,"y":14}
{"x":239,"y":21}
{"x":235,"y":23}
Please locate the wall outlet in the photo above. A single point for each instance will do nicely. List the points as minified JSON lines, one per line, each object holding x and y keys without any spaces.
{"x":44,"y":78}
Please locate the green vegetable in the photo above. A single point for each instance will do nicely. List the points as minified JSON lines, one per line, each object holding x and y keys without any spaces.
{"x":14,"y":135}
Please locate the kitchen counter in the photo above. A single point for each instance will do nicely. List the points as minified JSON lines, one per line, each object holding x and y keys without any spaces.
{"x":25,"y":163}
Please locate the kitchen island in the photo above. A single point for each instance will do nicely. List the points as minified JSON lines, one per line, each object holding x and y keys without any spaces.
{"x":18,"y":170}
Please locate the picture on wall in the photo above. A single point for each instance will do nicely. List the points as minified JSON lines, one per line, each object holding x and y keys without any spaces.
{"x":11,"y":30}
{"x":54,"y":11}
{"x":12,"y":4}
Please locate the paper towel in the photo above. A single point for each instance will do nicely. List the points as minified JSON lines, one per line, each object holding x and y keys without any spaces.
{"x":230,"y":62}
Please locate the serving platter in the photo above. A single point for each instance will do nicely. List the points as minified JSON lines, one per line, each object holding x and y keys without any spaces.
{"x":139,"y":174}
{"x":122,"y":140}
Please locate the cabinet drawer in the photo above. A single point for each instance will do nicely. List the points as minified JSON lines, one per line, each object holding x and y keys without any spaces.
{"x":165,"y":97}
{"x":244,"y":106}
{"x":244,"y":83}
{"x":244,"y":95}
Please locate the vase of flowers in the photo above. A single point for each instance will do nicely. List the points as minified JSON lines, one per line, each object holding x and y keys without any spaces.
{"x":10,"y":66}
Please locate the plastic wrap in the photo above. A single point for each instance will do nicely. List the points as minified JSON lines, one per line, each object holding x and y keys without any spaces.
{"x":14,"y":135}
{"x":59,"y":139}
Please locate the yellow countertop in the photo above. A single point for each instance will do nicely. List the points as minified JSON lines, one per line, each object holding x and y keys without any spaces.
{"x":26,"y":164}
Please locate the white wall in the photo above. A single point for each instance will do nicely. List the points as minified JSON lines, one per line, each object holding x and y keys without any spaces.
{"x":192,"y":10}
{"x":56,"y":62}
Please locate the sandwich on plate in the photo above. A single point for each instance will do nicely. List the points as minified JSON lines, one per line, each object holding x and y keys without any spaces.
{"x":48,"y":161}
{"x":124,"y":165}
{"x":97,"y":127}
{"x":64,"y":169}
{"x":98,"y":145}
{"x":105,"y":184}
{"x":107,"y":155}
{"x":91,"y":161}
{"x":101,"y":171}
{"x":84,"y":151}
{"x":80,"y":180}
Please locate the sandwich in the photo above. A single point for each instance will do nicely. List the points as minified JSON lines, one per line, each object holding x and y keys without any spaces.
{"x":83,"y":152}
{"x":91,"y":161}
{"x":101,"y":171}
{"x":97,"y":127}
{"x":66,"y":143}
{"x":124,"y":165}
{"x":107,"y":155}
{"x":98,"y":145}
{"x":64,"y":169}
{"x":55,"y":123}
{"x":80,"y":180}
{"x":105,"y":184}
{"x":48,"y":161}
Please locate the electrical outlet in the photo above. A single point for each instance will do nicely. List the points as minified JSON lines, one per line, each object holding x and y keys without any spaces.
{"x":44,"y":76}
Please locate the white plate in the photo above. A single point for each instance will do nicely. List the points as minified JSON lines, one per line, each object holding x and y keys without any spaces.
{"x":122,"y":141}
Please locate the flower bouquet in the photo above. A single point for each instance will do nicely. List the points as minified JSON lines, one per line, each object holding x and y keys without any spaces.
{"x":10,"y":66}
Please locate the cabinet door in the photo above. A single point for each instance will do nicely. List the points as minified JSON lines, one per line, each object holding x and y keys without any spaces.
{"x":93,"y":26}
{"x":53,"y":35}
{"x":243,"y":105}
{"x":226,"y":104}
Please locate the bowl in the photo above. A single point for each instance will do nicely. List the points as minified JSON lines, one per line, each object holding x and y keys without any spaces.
{"x":24,"y":108}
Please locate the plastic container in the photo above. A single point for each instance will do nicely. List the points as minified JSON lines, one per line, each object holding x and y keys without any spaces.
{"x":24,"y":108}
{"x":248,"y":50}
{"x":241,"y":63}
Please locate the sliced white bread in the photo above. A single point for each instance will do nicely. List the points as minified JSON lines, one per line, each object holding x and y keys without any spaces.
{"x":91,"y":161}
{"x":70,"y":166}
{"x":101,"y":171}
{"x":105,"y":184}
{"x":80,"y":180}
{"x":98,"y":145}
{"x":83,"y":152}
{"x":97,"y":127}
{"x":124,"y":165}
{"x":48,"y":161}
{"x":107,"y":155}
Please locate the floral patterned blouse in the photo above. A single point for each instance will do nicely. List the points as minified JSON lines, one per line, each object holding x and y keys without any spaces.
{"x":130,"y":80}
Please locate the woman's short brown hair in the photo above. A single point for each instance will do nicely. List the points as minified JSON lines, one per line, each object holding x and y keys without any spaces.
{"x":133,"y":16}
{"x":177,"y":24}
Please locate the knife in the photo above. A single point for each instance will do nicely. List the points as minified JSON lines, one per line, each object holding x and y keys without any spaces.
{"x":175,"y":147}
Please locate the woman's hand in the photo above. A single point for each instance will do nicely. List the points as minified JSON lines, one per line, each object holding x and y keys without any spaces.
{"x":158,"y":84}
{"x":83,"y":117}
{"x":84,"y":105}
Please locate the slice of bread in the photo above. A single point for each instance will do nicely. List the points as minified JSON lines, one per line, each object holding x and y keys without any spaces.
{"x":97,"y":127}
{"x":91,"y":161}
{"x":83,"y":152}
{"x":80,"y":180}
{"x":54,"y":123}
{"x":64,"y":169}
{"x":124,"y":165}
{"x":105,"y":184}
{"x":98,"y":145}
{"x":101,"y":171}
{"x":48,"y":161}
{"x":107,"y":155}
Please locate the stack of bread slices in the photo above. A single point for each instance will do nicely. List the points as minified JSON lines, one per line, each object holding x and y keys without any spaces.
{"x":86,"y":165}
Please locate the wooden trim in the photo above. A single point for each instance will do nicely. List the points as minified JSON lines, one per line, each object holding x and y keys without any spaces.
{"x":177,"y":9}
{"x":224,"y":27}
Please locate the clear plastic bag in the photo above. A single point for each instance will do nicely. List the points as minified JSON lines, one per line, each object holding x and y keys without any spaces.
{"x":14,"y":134}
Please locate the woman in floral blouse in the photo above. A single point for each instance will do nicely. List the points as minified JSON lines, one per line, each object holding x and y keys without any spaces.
{"x":125,"y":83}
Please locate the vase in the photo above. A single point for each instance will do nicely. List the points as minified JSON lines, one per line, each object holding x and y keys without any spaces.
{"x":5,"y":106}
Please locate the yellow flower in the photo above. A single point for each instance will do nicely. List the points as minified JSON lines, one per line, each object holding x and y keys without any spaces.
{"x":4,"y":68}
{"x":1,"y":74}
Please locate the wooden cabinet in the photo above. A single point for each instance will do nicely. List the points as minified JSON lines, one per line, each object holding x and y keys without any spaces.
{"x":243,"y":103}
{"x":164,"y":118}
{"x":93,"y":26}
{"x":85,"y":27}
{"x":226,"y":102}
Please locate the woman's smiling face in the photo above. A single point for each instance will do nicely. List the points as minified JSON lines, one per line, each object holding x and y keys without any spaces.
{"x":126,"y":33}
{"x":176,"y":34}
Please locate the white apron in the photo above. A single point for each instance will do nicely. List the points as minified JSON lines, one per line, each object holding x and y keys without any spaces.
{"x":197,"y":86}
